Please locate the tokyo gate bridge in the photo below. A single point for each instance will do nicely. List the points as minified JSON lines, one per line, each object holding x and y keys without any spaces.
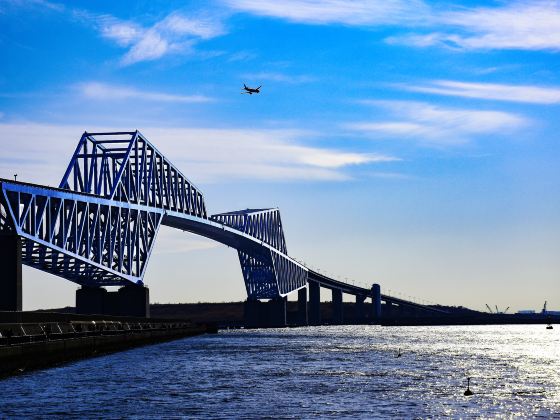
{"x":98,"y":229}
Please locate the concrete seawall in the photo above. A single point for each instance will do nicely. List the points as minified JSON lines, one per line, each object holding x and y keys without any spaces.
{"x":27,"y":346}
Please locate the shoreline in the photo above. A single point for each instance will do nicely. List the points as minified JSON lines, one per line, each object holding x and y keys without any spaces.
{"x":31,"y":346}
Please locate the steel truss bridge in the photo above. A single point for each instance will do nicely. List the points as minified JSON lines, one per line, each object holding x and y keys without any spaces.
{"x":99,"y":226}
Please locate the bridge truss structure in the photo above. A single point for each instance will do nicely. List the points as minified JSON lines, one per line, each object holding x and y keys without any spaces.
{"x":98,"y":228}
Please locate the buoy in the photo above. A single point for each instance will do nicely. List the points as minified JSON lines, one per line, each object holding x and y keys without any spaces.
{"x":468,"y":392}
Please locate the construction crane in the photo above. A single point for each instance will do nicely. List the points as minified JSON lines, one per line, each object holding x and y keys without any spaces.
{"x":498,"y":312}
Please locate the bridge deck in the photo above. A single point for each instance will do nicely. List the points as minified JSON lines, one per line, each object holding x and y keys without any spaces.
{"x":351,"y":289}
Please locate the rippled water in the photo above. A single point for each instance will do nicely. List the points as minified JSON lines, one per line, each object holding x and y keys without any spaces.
{"x":348,"y":371}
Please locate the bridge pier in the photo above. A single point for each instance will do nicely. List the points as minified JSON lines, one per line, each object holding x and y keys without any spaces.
{"x":302,"y":307}
{"x":376,"y":302}
{"x":10,"y":273}
{"x":338,"y":306}
{"x":265,"y":314}
{"x":314,"y":303}
{"x":90,"y":300}
{"x":130,"y":300}
{"x":277,"y":311}
{"x":134,"y":300}
{"x":251,"y":311}
{"x":359,"y":313}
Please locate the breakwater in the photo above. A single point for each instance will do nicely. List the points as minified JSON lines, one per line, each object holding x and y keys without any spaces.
{"x":32,"y":341}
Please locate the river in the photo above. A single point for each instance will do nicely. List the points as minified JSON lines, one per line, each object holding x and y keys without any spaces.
{"x":336,"y":372}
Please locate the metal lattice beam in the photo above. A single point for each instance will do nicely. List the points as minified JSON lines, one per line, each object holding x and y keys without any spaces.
{"x":125,"y":166}
{"x":263,"y":224}
{"x":269,"y":274}
{"x":83,"y":238}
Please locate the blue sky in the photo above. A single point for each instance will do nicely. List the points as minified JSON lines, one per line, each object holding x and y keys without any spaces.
{"x":410,"y":143}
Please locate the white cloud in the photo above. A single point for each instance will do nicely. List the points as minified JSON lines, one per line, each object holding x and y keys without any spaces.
{"x":435,"y":125}
{"x":40,"y":153}
{"x":204,"y":28}
{"x":150,"y":47}
{"x":279,"y":77}
{"x":500,"y":92}
{"x":123,"y":33}
{"x":102,"y":91}
{"x":356,"y":12}
{"x":218,"y":154}
{"x":527,"y":25}
{"x":174,"y":34}
{"x":20,"y":4}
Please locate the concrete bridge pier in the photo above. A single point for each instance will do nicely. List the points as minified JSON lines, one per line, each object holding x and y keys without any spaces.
{"x":251,"y":309}
{"x":10,"y":273}
{"x":265,"y":314}
{"x":314,"y":303}
{"x":338,"y":306}
{"x":90,"y":300}
{"x":133,"y":300}
{"x":302,"y":307}
{"x":376,"y":302}
{"x":277,"y":312}
{"x":359,"y":312}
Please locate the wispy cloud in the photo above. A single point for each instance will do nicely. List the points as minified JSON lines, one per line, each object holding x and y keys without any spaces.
{"x":356,"y":12}
{"x":526,"y":25}
{"x":123,"y":33}
{"x":203,"y":154}
{"x":279,"y":77}
{"x":220,"y":154}
{"x":491,"y":91}
{"x":436,"y":125}
{"x":43,"y":4}
{"x":523,"y":25}
{"x":103,"y":91}
{"x":242,"y":56}
{"x":176,"y":33}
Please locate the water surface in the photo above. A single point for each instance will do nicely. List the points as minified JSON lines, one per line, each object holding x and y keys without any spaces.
{"x":338,"y":372}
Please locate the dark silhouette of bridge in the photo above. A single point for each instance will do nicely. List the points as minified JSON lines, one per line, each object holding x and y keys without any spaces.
{"x":98,"y":229}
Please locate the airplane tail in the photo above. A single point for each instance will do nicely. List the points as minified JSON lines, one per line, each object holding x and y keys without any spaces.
{"x":244,"y":85}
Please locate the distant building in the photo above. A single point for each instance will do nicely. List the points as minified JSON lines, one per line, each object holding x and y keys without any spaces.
{"x":533,"y":312}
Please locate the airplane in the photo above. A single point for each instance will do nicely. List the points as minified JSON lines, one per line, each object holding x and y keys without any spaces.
{"x":249,"y":90}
